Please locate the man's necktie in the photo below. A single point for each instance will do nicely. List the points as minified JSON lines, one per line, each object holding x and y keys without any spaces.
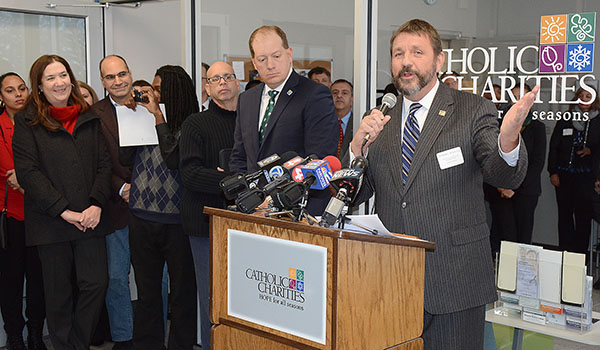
{"x":409,"y":140}
{"x":265,"y":121}
{"x":341,"y":137}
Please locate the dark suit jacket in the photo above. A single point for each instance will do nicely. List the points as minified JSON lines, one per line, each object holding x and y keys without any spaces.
{"x":120,"y":174}
{"x":303,"y":121}
{"x":348,"y":134}
{"x":445,"y":206}
{"x":534,"y":137}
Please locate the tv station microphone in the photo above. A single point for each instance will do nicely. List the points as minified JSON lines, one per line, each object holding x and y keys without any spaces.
{"x":322,"y":170}
{"x":388,"y":102}
{"x":347,"y":183}
{"x":232,"y":186}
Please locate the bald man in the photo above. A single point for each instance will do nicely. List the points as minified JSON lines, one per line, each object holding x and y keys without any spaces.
{"x":203,"y":135}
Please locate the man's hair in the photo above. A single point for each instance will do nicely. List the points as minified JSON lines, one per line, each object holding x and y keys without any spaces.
{"x":451,"y":74}
{"x":343,"y":81}
{"x":252,"y":83}
{"x":274,"y":29}
{"x":206,"y":66}
{"x":141,"y":82}
{"x":117,"y":56}
{"x":178,"y":93}
{"x":319,"y":70}
{"x":420,"y":27}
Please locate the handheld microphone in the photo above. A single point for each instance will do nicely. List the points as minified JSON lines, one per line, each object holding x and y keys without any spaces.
{"x":388,"y":102}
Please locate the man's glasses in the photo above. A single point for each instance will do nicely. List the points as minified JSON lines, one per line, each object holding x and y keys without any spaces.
{"x":111,"y":77}
{"x":216,"y":79}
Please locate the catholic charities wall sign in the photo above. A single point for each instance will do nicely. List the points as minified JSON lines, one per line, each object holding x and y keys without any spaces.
{"x":277,"y":283}
{"x":566,"y":60}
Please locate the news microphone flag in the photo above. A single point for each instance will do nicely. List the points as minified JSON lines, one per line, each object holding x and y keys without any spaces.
{"x":321,"y":169}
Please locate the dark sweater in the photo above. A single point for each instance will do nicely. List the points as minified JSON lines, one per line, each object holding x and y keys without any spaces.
{"x":203,"y":135}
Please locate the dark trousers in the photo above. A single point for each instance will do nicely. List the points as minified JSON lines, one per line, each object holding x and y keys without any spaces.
{"x":512,"y":219}
{"x":454,"y":331}
{"x":18,"y":263}
{"x":201,"y":251}
{"x":152,"y":244}
{"x":71,"y":321}
{"x":574,"y":198}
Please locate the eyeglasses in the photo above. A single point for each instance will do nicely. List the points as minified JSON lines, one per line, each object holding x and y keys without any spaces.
{"x":216,"y":79}
{"x":111,"y":77}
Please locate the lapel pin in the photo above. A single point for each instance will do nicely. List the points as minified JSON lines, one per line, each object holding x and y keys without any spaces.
{"x":442,"y":113}
{"x":289,"y":92}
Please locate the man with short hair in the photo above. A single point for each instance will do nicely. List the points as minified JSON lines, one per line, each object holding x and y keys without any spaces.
{"x":116,"y":79}
{"x":343,"y":95}
{"x":285,"y":113}
{"x":203,"y":136}
{"x":320,"y":75}
{"x":426,"y":168}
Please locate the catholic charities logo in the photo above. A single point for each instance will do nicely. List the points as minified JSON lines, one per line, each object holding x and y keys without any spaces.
{"x":567,"y":43}
{"x":287,"y":291}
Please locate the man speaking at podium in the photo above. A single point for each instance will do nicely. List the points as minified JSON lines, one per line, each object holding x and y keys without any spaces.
{"x":427,"y":161}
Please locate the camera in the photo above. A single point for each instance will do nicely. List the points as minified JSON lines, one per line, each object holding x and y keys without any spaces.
{"x":138,"y":96}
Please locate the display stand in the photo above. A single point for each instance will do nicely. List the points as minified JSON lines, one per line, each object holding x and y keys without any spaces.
{"x":374,"y":287}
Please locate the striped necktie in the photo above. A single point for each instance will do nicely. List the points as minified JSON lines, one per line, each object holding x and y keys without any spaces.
{"x":341,"y":137}
{"x":409,"y":140}
{"x":265,"y":121}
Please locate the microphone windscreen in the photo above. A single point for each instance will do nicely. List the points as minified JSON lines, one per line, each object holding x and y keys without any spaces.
{"x":389,"y":99}
{"x":334,"y":162}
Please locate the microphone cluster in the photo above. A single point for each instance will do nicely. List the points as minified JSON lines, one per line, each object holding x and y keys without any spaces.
{"x":286,"y":179}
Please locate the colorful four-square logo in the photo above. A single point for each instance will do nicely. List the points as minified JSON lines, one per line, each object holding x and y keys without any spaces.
{"x":296,"y":279}
{"x":567,"y":43}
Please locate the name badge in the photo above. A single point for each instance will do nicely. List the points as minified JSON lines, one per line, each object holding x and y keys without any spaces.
{"x":567,"y":132}
{"x":449,"y":158}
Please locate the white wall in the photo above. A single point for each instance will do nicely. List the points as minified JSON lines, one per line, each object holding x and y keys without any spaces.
{"x":147,"y":37}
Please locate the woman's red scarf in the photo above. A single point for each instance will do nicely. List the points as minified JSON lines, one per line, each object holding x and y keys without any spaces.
{"x":67,"y":116}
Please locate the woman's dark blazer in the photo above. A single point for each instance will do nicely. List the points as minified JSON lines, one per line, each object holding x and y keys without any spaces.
{"x":61,"y":171}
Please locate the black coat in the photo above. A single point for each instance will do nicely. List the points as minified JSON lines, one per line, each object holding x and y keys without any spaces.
{"x":534,"y":138}
{"x":561,"y":143}
{"x":61,"y":171}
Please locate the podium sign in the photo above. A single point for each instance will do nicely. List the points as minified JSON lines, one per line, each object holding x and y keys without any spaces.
{"x":277,"y":283}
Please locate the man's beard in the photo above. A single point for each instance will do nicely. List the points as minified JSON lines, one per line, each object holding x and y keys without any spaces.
{"x":422,"y":80}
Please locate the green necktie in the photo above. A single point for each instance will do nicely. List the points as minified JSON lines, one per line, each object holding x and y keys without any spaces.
{"x":265,"y":121}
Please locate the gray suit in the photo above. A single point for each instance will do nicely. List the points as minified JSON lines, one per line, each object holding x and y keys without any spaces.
{"x":445,"y":206}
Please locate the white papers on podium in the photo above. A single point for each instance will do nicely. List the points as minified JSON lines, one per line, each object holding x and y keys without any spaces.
{"x":507,"y":269}
{"x":573,"y":276}
{"x":528,"y":268}
{"x":370,"y":221}
{"x":550,"y":269}
{"x":137,"y":128}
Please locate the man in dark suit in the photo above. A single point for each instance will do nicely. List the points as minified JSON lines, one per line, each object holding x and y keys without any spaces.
{"x":426,"y":168}
{"x":117,"y":80}
{"x":343,"y":95}
{"x":285,"y":113}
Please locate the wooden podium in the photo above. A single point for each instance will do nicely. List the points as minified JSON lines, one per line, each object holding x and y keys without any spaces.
{"x":374,"y":287}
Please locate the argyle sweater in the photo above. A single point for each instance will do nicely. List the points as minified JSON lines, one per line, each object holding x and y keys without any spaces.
{"x":155,"y":190}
